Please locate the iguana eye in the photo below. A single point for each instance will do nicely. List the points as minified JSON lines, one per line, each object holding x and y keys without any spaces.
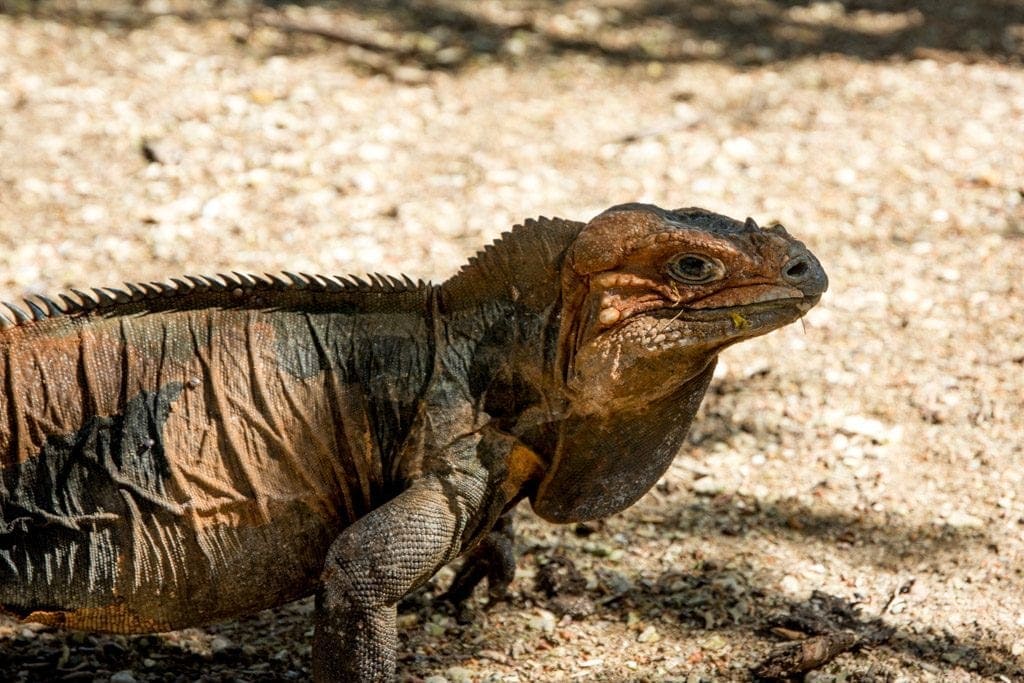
{"x":694,"y":269}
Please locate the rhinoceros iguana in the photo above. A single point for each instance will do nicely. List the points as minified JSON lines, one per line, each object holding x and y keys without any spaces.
{"x":178,"y":454}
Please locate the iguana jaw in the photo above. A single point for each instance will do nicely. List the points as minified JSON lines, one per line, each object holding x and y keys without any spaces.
{"x":649,"y":355}
{"x":716,"y":328}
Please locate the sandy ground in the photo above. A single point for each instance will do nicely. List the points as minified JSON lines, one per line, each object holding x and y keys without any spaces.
{"x":862,"y":472}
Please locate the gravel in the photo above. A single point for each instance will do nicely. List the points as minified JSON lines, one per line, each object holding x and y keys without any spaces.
{"x":872,"y":455}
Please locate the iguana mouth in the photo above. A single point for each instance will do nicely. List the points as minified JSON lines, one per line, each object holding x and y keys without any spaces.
{"x":801,"y":304}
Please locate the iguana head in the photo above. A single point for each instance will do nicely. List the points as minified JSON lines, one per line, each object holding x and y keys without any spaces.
{"x":650,"y":297}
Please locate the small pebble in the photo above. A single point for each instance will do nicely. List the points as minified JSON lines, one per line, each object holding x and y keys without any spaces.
{"x":790,"y":585}
{"x":960,"y":519}
{"x":458,"y":674}
{"x":544,"y":621}
{"x":649,"y":635}
{"x":219,"y":644}
{"x":707,"y":486}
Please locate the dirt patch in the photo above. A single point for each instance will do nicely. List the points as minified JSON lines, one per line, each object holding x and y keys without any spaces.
{"x":870,"y":461}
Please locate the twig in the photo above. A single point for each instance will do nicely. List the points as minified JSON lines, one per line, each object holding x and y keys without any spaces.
{"x":654,"y":131}
{"x":340,"y":35}
{"x":792,"y":659}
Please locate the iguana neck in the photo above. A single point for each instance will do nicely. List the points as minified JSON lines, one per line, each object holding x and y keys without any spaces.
{"x":501,"y":316}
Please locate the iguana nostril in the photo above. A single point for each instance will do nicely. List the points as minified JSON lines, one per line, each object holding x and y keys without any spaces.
{"x":797,"y":269}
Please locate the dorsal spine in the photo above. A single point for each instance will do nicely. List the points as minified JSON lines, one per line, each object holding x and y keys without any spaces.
{"x":99,"y":299}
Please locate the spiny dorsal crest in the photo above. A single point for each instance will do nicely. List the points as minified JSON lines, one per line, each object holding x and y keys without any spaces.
{"x":521,"y":265}
{"x":237,"y":284}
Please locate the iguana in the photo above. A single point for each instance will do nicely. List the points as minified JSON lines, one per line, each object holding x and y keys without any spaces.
{"x":176,"y":454}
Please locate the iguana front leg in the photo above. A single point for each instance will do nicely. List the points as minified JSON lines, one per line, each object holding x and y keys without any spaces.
{"x":371,"y":566}
{"x":389,"y":552}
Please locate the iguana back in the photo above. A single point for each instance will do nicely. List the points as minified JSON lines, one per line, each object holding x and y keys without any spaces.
{"x":212,"y":440}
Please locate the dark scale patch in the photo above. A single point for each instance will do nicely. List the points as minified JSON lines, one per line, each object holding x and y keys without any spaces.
{"x":693,"y":217}
{"x":705,"y":220}
{"x":299,"y":340}
{"x":66,"y":514}
{"x":300,"y":361}
{"x":382,"y":355}
{"x":496,"y":362}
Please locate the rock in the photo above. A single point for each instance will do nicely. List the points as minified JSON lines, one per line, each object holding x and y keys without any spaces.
{"x":870,"y":427}
{"x":715,"y":642}
{"x":959,"y":519}
{"x":493,"y":655}
{"x":219,"y":644}
{"x":125,"y":676}
{"x":649,"y":635}
{"x":458,"y":674}
{"x":790,"y":585}
{"x":707,"y":486}
{"x":159,"y":151}
{"x":740,"y":149}
{"x":544,"y":621}
{"x":576,"y":606}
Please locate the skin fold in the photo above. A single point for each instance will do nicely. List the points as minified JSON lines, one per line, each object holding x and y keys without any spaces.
{"x":173,"y":455}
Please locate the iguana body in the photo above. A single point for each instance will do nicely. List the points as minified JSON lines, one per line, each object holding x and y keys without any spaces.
{"x":189,"y":457}
{"x":176,"y":455}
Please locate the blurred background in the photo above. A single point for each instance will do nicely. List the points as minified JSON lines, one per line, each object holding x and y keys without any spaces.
{"x":861,"y":472}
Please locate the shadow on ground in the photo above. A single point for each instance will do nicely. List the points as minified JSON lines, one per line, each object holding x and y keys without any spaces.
{"x":452,"y":34}
{"x":280,"y":653}
{"x":712,"y":598}
{"x":737,"y":599}
{"x":701,"y":599}
{"x":717,"y":597}
{"x":871,"y":539}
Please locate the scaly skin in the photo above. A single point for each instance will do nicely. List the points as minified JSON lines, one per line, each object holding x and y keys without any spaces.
{"x":171,"y":458}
